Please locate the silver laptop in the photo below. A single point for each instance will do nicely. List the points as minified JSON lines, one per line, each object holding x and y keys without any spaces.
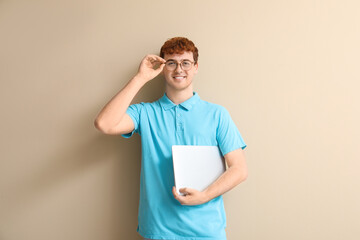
{"x":196,"y":166}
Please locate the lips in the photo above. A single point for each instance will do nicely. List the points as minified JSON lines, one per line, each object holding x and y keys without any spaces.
{"x":179,"y":77}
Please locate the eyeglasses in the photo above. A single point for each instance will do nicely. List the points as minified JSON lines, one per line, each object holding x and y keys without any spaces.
{"x":185,"y":65}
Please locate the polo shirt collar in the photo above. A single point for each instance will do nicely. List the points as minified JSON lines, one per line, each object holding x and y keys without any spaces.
{"x":167,"y":104}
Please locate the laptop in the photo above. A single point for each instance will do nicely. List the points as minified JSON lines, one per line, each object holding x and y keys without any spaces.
{"x":196,"y":166}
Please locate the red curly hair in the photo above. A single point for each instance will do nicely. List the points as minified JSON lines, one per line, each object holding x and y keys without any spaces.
{"x":179,"y":45}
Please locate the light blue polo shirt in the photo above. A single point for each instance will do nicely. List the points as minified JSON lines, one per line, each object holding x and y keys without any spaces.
{"x":162,"y":124}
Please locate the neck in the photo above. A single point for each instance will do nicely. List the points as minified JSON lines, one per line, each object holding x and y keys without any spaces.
{"x":181,"y":96}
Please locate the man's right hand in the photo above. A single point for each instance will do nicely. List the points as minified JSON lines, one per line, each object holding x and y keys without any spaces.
{"x":150,"y":67}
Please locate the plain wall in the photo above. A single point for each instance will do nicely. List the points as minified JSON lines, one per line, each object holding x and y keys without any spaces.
{"x":287,"y":71}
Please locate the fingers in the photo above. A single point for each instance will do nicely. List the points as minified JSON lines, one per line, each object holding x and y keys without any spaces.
{"x":191,"y":197}
{"x":187,"y":191}
{"x":174,"y":192}
{"x":176,"y":195}
{"x":154,"y":62}
{"x":150,"y":67}
{"x":160,"y":68}
{"x":183,"y":190}
{"x":154,"y":59}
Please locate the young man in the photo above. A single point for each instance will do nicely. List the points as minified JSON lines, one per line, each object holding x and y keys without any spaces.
{"x":180,"y":117}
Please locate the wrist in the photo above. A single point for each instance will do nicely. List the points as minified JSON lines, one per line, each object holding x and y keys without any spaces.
{"x":207,"y":195}
{"x":139,"y":79}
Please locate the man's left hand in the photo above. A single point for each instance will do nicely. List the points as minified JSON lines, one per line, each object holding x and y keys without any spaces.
{"x":191,"y":197}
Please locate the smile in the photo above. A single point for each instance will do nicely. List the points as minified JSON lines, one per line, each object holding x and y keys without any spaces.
{"x":179,"y":77}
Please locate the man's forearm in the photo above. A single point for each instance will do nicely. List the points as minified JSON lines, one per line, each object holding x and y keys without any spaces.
{"x":235,"y":174}
{"x":113,"y":112}
{"x":115,"y":109}
{"x":228,"y":180}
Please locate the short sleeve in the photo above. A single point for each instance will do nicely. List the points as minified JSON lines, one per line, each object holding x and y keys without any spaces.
{"x":134,"y":111}
{"x":227,"y":134}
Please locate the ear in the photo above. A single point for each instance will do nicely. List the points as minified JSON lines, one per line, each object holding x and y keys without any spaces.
{"x":196,"y":66}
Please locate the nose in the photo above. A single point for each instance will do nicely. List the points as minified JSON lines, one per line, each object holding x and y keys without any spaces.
{"x":178,"y":68}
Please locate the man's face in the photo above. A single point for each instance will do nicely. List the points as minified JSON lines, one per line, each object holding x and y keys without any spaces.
{"x":179,"y":79}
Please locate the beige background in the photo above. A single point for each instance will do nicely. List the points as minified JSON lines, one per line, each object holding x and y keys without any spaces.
{"x":287,"y":70}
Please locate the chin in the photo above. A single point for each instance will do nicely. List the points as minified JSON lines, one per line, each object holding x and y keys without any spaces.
{"x":179,"y":86}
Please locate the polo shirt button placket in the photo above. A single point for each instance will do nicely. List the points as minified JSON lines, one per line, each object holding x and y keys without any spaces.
{"x":179,"y":127}
{"x":178,"y":119}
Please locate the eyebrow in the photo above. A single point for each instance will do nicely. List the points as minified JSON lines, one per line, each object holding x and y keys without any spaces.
{"x":180,"y":60}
